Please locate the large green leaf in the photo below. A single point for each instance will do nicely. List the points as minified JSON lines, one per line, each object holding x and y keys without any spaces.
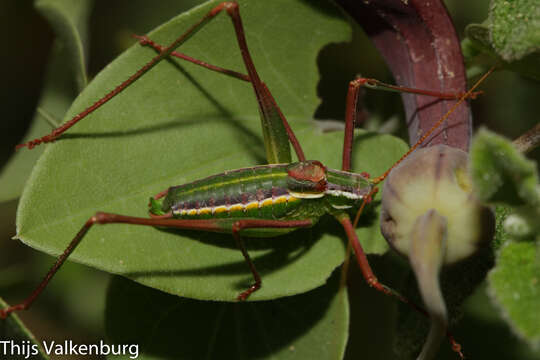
{"x":65,"y":78}
{"x":308,"y":326}
{"x":179,"y":123}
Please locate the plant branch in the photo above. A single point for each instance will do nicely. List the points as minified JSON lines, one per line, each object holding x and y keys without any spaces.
{"x":529,"y":140}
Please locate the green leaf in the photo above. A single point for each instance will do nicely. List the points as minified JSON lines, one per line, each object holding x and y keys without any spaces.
{"x":179,"y":123}
{"x":515,"y":287}
{"x":65,"y":78}
{"x":510,"y":35}
{"x":515,"y":28}
{"x":69,"y":20}
{"x":12,"y":329}
{"x":308,"y":326}
{"x":500,"y":173}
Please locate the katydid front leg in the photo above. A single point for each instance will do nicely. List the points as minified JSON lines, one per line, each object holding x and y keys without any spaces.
{"x":352,"y":104}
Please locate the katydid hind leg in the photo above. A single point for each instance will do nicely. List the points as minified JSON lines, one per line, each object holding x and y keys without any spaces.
{"x":211,"y":225}
{"x":276,"y":130}
{"x":275,"y":126}
{"x":121,"y":87}
{"x":106,"y":218}
{"x":146,"y":41}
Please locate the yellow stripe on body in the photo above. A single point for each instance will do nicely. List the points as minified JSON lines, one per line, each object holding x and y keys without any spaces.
{"x":238,"y":207}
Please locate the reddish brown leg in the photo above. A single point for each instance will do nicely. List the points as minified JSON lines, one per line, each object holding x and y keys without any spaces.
{"x":215,"y":225}
{"x":368,"y":274}
{"x":107,"y":218}
{"x":468,"y":94}
{"x":352,"y":102}
{"x":269,"y":109}
{"x":363,"y":263}
{"x":146,"y":41}
{"x":162,"y":55}
{"x":267,"y":105}
{"x":251,"y":224}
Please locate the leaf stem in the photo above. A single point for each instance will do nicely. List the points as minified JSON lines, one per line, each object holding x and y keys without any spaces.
{"x":529,"y":140}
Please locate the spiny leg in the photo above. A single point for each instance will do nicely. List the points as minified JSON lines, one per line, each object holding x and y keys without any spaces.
{"x":146,"y":41}
{"x":352,"y":103}
{"x":108,"y":218}
{"x":266,"y":102}
{"x":252,"y":224}
{"x":162,"y":55}
{"x":215,"y":225}
{"x":362,"y":261}
{"x":344,"y":218}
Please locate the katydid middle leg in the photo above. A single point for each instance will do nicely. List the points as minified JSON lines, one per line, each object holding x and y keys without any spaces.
{"x":369,"y":275}
{"x":352,"y":98}
{"x":243,"y":224}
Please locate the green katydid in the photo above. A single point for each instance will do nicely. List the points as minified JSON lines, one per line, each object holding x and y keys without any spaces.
{"x":285,"y":197}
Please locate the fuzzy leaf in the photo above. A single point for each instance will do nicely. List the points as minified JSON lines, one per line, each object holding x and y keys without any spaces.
{"x":13,"y":329}
{"x":515,"y":287}
{"x":179,"y":123}
{"x":65,"y":78}
{"x":504,"y":176}
{"x":515,"y":28}
{"x":500,"y":173}
{"x":308,"y":326}
{"x":510,"y":35}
